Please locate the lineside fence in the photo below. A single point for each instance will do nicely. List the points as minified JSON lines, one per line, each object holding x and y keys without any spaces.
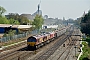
{"x":25,"y":34}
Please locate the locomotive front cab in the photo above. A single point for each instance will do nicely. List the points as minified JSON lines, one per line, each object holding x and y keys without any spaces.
{"x":31,"y":41}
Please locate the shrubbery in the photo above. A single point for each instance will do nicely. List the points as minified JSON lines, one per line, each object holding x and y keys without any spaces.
{"x":10,"y":33}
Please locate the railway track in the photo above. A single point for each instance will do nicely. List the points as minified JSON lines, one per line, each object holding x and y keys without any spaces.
{"x":15,"y":55}
{"x":23,"y":54}
{"x":15,"y":46}
{"x":63,"y":53}
{"x":12,"y":51}
{"x":51,"y":50}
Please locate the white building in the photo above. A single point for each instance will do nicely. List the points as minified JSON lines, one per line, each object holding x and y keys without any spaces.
{"x":50,"y":26}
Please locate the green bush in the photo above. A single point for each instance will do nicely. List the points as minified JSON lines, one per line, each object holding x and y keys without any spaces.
{"x":86,"y":50}
{"x":10,"y":33}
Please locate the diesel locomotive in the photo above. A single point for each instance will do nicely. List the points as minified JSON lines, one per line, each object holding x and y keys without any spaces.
{"x":36,"y":41}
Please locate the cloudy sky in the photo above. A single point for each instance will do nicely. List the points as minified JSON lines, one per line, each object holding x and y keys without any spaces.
{"x":52,"y":8}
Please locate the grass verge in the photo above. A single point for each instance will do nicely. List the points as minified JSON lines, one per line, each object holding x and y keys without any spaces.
{"x":86,"y":49}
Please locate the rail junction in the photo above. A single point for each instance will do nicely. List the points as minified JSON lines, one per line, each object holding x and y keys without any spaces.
{"x":60,"y":49}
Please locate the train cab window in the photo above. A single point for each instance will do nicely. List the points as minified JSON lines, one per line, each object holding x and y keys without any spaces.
{"x":31,"y":39}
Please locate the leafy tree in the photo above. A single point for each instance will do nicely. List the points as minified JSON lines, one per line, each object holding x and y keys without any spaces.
{"x":30,"y":22}
{"x":38,"y":21}
{"x":10,"y":33}
{"x":2,"y":10}
{"x":5,"y":34}
{"x":77,"y":22}
{"x":21,"y":19}
{"x":3,"y":20}
{"x":85,"y":23}
{"x":12,"y":21}
{"x":16,"y":22}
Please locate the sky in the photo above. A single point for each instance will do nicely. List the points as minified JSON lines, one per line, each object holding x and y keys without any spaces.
{"x":53,"y":8}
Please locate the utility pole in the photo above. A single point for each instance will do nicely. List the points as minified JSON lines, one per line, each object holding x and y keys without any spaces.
{"x":75,"y":50}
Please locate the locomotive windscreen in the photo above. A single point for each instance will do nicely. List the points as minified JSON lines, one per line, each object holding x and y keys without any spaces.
{"x":31,"y":39}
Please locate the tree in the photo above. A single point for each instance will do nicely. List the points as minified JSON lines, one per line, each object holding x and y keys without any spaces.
{"x":78,"y":21}
{"x":2,"y":10}
{"x":85,"y":23}
{"x":12,"y":21}
{"x":38,"y":21}
{"x":3,"y":20}
{"x":21,"y":19}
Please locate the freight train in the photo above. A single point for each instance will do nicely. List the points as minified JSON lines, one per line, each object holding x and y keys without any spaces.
{"x":36,"y":41}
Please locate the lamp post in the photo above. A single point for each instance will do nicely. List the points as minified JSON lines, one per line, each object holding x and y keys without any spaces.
{"x":75,"y":50}
{"x":81,"y":45}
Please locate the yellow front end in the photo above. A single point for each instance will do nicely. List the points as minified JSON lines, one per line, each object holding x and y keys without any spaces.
{"x":31,"y":43}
